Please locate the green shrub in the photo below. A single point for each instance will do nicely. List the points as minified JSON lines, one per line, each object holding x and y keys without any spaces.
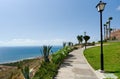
{"x":49,"y":69}
{"x":46,"y":71}
{"x":58,"y":57}
{"x":25,"y":72}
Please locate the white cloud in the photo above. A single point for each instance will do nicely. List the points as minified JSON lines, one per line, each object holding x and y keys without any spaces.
{"x":118,"y":8}
{"x":30,"y":42}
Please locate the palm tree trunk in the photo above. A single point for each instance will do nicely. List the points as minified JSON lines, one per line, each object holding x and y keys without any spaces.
{"x":104,"y":33}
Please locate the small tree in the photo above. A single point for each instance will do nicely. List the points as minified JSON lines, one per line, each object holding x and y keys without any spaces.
{"x":80,"y":39}
{"x":70,"y":44}
{"x":64,"y":44}
{"x":86,"y":38}
{"x":46,"y":50}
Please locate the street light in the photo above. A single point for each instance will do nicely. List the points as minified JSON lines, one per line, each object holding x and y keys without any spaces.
{"x":100,"y":7}
{"x":109,"y":20}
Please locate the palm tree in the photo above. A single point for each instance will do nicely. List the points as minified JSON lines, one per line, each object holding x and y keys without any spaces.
{"x":86,"y":38}
{"x":64,"y":44}
{"x":105,"y":31}
{"x":111,"y":29}
{"x":46,"y":50}
{"x":80,"y":39}
{"x":70,"y":44}
{"x":109,"y":20}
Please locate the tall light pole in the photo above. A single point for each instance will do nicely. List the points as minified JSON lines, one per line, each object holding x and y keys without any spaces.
{"x":109,"y":20}
{"x":100,"y":7}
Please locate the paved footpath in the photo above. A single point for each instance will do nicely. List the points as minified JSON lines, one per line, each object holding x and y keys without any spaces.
{"x":76,"y":67}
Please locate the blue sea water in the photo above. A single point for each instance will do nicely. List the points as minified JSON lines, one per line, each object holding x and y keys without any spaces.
{"x":12,"y":54}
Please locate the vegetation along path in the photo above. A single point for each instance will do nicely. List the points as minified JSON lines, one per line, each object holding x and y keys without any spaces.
{"x":75,"y":67}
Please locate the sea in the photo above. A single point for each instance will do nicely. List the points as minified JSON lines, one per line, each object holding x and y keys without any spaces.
{"x":13,"y":54}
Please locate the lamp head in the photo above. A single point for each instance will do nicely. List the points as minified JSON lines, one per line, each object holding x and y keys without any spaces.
{"x":100,"y":6}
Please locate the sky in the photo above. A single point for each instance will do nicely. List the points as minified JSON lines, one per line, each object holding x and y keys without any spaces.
{"x":52,"y":22}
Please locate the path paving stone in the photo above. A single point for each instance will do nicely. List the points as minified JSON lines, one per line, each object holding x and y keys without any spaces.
{"x":75,"y":67}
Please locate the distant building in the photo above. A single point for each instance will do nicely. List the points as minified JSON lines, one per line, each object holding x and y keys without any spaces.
{"x":115,"y":34}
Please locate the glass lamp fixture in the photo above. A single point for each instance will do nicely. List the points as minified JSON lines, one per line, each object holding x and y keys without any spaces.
{"x":100,"y":6}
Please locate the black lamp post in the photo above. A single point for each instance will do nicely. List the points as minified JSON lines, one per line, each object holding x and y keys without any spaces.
{"x":100,"y":7}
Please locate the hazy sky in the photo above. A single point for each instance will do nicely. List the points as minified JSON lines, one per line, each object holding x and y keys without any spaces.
{"x":38,"y":22}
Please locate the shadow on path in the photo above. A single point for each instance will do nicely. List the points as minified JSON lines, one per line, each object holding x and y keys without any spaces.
{"x":68,"y":60}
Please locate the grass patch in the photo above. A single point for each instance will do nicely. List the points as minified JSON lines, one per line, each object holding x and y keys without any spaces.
{"x":111,"y":57}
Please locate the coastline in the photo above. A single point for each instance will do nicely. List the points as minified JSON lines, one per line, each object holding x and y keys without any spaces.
{"x":21,"y":60}
{"x":11,"y":68}
{"x":16,"y":54}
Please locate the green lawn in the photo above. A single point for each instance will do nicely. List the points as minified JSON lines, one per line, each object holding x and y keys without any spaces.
{"x":111,"y":57}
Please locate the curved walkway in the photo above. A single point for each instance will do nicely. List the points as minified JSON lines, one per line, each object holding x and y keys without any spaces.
{"x":75,"y":66}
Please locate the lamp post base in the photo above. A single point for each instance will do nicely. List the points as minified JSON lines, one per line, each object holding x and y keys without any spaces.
{"x":102,"y":71}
